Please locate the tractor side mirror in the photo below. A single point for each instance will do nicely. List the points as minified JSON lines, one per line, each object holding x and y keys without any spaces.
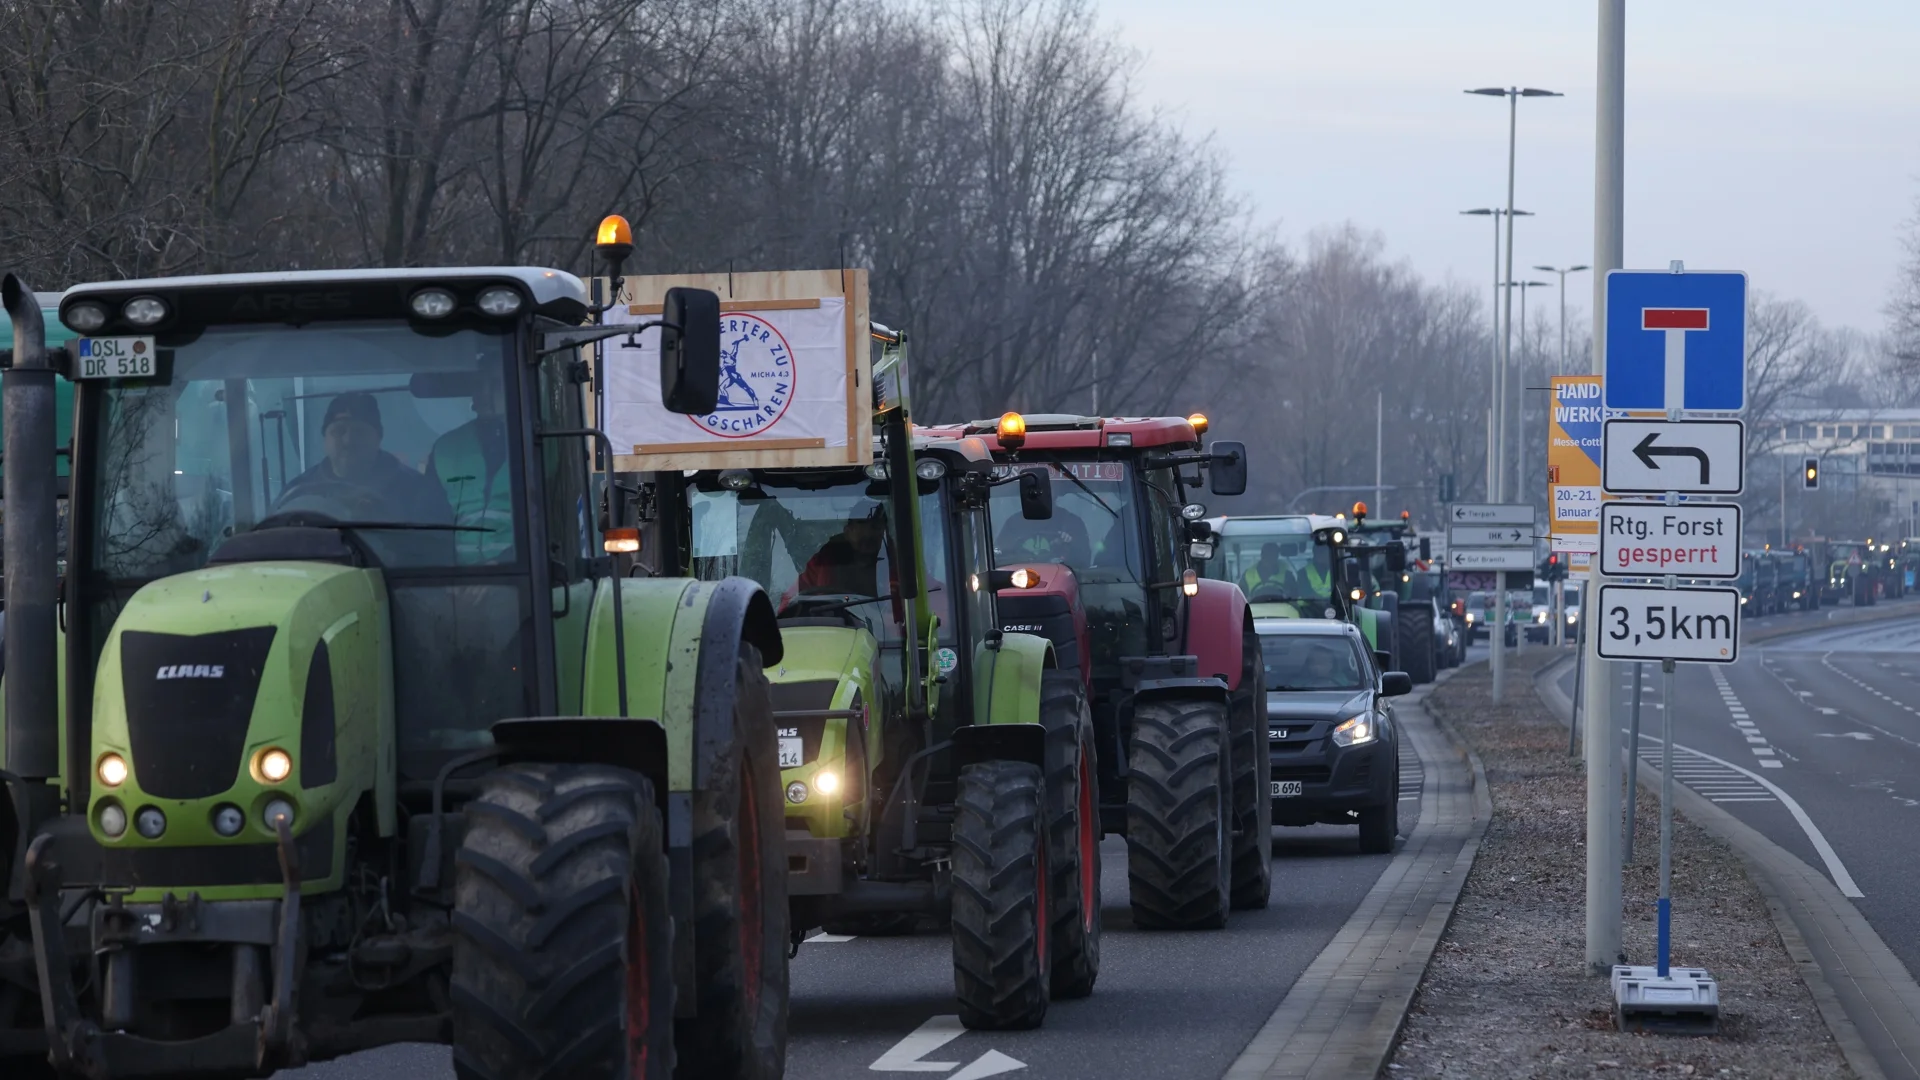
{"x":1426,"y":548}
{"x":1227,"y":472}
{"x":1396,"y":559}
{"x":1036,"y":495}
{"x":690,"y":351}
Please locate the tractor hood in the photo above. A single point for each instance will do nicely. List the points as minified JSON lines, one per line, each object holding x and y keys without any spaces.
{"x":202,"y":674}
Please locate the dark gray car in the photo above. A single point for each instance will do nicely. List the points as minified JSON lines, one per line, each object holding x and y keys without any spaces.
{"x":1334,"y":744}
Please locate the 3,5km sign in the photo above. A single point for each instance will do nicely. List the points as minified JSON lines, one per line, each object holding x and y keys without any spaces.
{"x":1639,"y":622}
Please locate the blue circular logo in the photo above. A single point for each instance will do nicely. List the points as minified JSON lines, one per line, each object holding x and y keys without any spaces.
{"x":756,"y":379}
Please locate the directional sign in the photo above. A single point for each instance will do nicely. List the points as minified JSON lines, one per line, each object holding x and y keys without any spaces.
{"x":1491,"y":558}
{"x":1696,"y":457}
{"x":1480,"y":536}
{"x":1676,"y":341}
{"x":1699,"y":540}
{"x":1638,"y":622}
{"x":1492,"y":514}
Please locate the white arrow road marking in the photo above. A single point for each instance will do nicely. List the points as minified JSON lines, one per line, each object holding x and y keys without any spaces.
{"x":1860,"y":735}
{"x":1824,"y":711}
{"x":829,"y":939}
{"x":991,"y":1063}
{"x":905,"y":1055}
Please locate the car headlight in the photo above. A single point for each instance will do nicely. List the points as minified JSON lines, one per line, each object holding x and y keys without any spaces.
{"x":1354,"y":731}
{"x":1540,"y":617}
{"x":1469,"y":618}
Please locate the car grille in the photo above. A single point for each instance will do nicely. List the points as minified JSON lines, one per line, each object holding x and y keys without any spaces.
{"x":1311,"y":774}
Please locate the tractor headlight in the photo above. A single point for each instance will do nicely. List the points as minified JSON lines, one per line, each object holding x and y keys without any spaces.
{"x":150,"y":822}
{"x":113,"y":819}
{"x":498,"y":301}
{"x":86,"y":316}
{"x":1354,"y":731}
{"x":112,"y":770}
{"x":826,"y":783}
{"x":273,"y":764}
{"x":930,"y":468}
{"x":434,"y":303}
{"x":1356,"y":595}
{"x":144,"y":311}
{"x":228,"y":820}
{"x":796,"y":792}
{"x":275,"y":812}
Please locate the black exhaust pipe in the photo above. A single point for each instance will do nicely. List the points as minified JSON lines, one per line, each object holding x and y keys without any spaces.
{"x":33,"y":715}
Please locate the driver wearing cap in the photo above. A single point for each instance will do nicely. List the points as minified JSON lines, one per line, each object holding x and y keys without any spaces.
{"x":351,"y":431}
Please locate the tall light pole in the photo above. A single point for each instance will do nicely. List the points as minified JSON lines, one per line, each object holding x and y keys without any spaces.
{"x":1563,"y":272}
{"x":1513,"y":94}
{"x":1496,"y":372}
{"x":1523,"y":492}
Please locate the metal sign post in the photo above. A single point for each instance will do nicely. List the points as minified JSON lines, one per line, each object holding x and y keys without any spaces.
{"x":1497,"y":537}
{"x":1676,"y":342}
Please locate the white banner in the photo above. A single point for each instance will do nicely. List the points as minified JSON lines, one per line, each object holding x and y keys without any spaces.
{"x":783,"y":383}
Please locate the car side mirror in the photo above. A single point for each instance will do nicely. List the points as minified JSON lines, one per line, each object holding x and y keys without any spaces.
{"x":690,"y":351}
{"x":1396,"y":683}
{"x":1036,"y":495}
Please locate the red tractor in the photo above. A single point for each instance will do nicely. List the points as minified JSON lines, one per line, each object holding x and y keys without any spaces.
{"x":1171,"y":662}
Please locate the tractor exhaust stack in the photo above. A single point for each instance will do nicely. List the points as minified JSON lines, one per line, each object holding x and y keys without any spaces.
{"x":33,"y":719}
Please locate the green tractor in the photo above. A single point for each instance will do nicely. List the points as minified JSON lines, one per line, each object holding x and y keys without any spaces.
{"x":1311,"y":566}
{"x":934,"y":767}
{"x":343,"y":730}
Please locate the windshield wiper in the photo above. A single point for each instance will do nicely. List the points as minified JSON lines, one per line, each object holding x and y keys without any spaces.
{"x":821,"y":603}
{"x":424,"y":526}
{"x":1077,"y":482}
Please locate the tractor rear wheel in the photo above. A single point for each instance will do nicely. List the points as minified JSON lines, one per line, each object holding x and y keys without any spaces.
{"x":1179,"y":815}
{"x":740,"y":911}
{"x":1002,"y":959}
{"x":563,"y":947}
{"x":1413,"y":641}
{"x":1252,"y":775}
{"x":1073,"y":812}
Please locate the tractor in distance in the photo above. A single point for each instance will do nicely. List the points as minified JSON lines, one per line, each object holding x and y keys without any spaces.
{"x":1305,"y":566}
{"x":346,"y":732}
{"x":1171,"y":661}
{"x":935,"y":767}
{"x":1852,"y":571}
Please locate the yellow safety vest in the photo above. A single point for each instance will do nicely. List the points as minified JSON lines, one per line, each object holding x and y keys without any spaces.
{"x":479,"y":497}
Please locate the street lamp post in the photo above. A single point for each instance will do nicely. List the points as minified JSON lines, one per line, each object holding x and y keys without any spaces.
{"x":1513,"y":94}
{"x":1563,"y":272}
{"x":1496,"y":374}
{"x":1524,"y":493}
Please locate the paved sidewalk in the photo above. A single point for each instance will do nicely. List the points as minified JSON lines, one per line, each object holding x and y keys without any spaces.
{"x":1343,"y":1014}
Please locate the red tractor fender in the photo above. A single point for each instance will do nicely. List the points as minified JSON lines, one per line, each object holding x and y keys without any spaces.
{"x":1052,"y":610}
{"x":1217,"y":624}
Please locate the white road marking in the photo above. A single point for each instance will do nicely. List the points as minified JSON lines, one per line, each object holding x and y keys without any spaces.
{"x":905,"y":1055}
{"x":1763,"y":751}
{"x":991,"y":1063}
{"x":1860,"y":735}
{"x":1835,"y":868}
{"x":1824,"y":711}
{"x":829,"y":939}
{"x":1774,"y":764}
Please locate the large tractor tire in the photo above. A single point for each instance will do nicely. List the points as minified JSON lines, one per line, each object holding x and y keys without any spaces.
{"x":1413,"y":639}
{"x":1179,"y":815}
{"x":1252,"y":882}
{"x":563,"y":951}
{"x":740,"y":913}
{"x":1073,"y":824}
{"x":1002,"y":959}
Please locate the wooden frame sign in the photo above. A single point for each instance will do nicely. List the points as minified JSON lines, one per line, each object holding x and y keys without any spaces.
{"x":794,"y":375}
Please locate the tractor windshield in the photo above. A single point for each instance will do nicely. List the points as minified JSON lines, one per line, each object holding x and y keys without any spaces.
{"x":822,"y":547}
{"x":374,"y":424}
{"x":1273,"y":560}
{"x":1094,"y":531}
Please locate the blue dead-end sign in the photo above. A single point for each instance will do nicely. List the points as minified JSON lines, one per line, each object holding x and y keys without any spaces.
{"x":1676,"y":335}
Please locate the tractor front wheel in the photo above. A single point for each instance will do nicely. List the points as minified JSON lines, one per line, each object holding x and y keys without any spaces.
{"x":1179,"y":815}
{"x":563,"y":947}
{"x":1002,"y":961}
{"x":1413,"y":641}
{"x":1073,"y":811}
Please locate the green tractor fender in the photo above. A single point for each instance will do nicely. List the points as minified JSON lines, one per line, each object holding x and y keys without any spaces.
{"x":1006,"y":687}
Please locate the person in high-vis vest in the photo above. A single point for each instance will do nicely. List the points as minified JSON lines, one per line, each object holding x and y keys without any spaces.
{"x":471,"y":463}
{"x":1315,"y":580}
{"x":1269,"y":571}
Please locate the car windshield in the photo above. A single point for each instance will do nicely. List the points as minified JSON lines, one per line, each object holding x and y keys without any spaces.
{"x":1273,"y":560}
{"x":1312,"y":662}
{"x":820,"y":545}
{"x":363,"y":422}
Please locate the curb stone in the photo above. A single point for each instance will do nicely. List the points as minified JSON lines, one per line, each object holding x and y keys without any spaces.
{"x":1343,"y":1015}
{"x":1868,"y":1000}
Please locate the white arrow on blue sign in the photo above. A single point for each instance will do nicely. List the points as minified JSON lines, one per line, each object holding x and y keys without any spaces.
{"x":1676,"y":341}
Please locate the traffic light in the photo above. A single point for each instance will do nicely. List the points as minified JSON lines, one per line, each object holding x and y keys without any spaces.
{"x":1553,"y":569}
{"x":1811,"y":471}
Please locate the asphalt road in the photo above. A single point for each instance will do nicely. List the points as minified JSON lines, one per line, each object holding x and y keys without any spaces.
{"x":1166,"y":1004}
{"x":1814,"y":740}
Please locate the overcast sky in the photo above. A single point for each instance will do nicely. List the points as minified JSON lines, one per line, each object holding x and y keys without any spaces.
{"x":1779,"y":137}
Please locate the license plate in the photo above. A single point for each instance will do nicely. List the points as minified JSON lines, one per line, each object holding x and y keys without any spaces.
{"x":1285,"y":788}
{"x":115,"y":358}
{"x":790,"y":753}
